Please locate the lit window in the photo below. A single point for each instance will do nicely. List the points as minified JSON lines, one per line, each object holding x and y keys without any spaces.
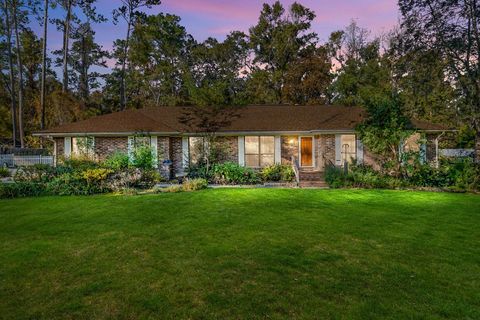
{"x":348,"y":148}
{"x":259,"y":151}
{"x":83,"y":147}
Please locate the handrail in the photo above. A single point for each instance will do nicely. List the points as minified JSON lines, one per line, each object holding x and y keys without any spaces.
{"x":296,"y":169}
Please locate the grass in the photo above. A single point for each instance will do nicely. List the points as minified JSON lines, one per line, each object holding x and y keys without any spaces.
{"x":242,"y":254}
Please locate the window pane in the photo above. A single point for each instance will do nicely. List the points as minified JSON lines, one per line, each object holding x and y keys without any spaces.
{"x":142,"y":142}
{"x":251,"y":160}
{"x":267,"y":144}
{"x":266,"y":160}
{"x":348,"y":147}
{"x":251,"y":145}
{"x":196,"y":147}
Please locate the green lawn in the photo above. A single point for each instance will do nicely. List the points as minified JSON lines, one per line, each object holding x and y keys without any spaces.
{"x":242,"y":254}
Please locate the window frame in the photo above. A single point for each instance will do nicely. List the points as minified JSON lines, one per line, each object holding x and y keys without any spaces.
{"x":89,"y":151}
{"x":348,"y":156}
{"x":259,"y":152}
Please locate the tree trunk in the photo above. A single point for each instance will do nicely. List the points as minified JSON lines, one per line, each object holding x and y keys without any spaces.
{"x":44,"y":65}
{"x":13,"y":102}
{"x":20,"y":77}
{"x":123,"y":95}
{"x":66,"y":38}
{"x":84,"y":90}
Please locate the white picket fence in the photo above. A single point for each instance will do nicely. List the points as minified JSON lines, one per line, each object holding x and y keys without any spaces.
{"x":11,"y":161}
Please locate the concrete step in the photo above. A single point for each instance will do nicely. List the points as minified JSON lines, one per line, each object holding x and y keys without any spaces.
{"x":313,"y":184}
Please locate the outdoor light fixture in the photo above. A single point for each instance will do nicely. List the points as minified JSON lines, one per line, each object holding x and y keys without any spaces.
{"x":291,"y":141}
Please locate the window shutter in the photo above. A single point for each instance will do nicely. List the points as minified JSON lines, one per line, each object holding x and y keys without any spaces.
{"x":185,"y":158}
{"x":278,"y":150}
{"x":154,"y":146}
{"x":67,"y":150}
{"x":338,"y":149}
{"x":241,"y":151}
{"x":131,"y":145}
{"x":359,"y":151}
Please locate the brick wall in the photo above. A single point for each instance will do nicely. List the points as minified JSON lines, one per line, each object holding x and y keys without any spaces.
{"x":105,"y":146}
{"x":176,"y":156}
{"x":431,"y":148}
{"x":60,"y":147}
{"x":231,"y":148}
{"x":163,"y":151}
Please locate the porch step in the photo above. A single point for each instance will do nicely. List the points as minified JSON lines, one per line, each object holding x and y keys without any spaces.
{"x":312,"y":179}
{"x":311,"y":176}
{"x":313,"y":184}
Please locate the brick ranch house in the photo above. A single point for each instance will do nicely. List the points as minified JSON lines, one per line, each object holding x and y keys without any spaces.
{"x":256,"y":135}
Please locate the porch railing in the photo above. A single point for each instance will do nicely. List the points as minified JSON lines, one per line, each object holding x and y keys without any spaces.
{"x":296,"y":169}
{"x":10,"y":160}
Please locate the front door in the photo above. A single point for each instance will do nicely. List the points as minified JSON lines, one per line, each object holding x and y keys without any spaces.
{"x":306,"y":151}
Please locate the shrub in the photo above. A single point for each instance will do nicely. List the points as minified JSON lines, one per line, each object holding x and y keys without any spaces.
{"x":117,"y":161}
{"x":232,"y":173}
{"x":278,"y":172}
{"x":143,"y":158}
{"x":4,"y":172}
{"x":21,"y":189}
{"x":194,"y":184}
{"x":134,"y":178}
{"x":78,"y":164}
{"x":39,"y":173}
{"x":334,"y":177}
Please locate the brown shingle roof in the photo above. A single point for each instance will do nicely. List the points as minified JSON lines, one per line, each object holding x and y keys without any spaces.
{"x":243,"y":119}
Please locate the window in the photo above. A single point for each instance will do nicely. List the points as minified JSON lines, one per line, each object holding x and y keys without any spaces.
{"x":348,"y":148}
{"x":198,"y":148}
{"x":83,"y":147}
{"x":259,"y":151}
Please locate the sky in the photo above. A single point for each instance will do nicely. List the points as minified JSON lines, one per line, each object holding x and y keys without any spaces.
{"x":216,"y":18}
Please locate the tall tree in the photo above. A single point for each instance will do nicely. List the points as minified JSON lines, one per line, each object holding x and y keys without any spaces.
{"x":13,"y":103}
{"x":65,"y":25}
{"x":278,"y":39}
{"x":218,"y":71}
{"x":85,"y":53}
{"x":160,"y":47}
{"x":129,"y":11}
{"x":452,"y":28}
{"x":15,"y":11}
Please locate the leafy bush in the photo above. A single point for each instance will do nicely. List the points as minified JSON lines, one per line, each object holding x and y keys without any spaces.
{"x":78,"y":164}
{"x":4,"y":172}
{"x":232,"y":173}
{"x":278,"y":172}
{"x":194,"y":184}
{"x":334,"y":177}
{"x":143,"y":158}
{"x":21,"y":189}
{"x":117,"y":161}
{"x":40,"y":173}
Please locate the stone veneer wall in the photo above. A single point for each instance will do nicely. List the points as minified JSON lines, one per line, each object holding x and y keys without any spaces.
{"x":105,"y":146}
{"x":288,"y":149}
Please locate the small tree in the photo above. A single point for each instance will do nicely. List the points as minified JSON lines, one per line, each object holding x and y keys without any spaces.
{"x":384,"y":132}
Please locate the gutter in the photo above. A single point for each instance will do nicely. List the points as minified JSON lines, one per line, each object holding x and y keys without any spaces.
{"x":223,"y":133}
